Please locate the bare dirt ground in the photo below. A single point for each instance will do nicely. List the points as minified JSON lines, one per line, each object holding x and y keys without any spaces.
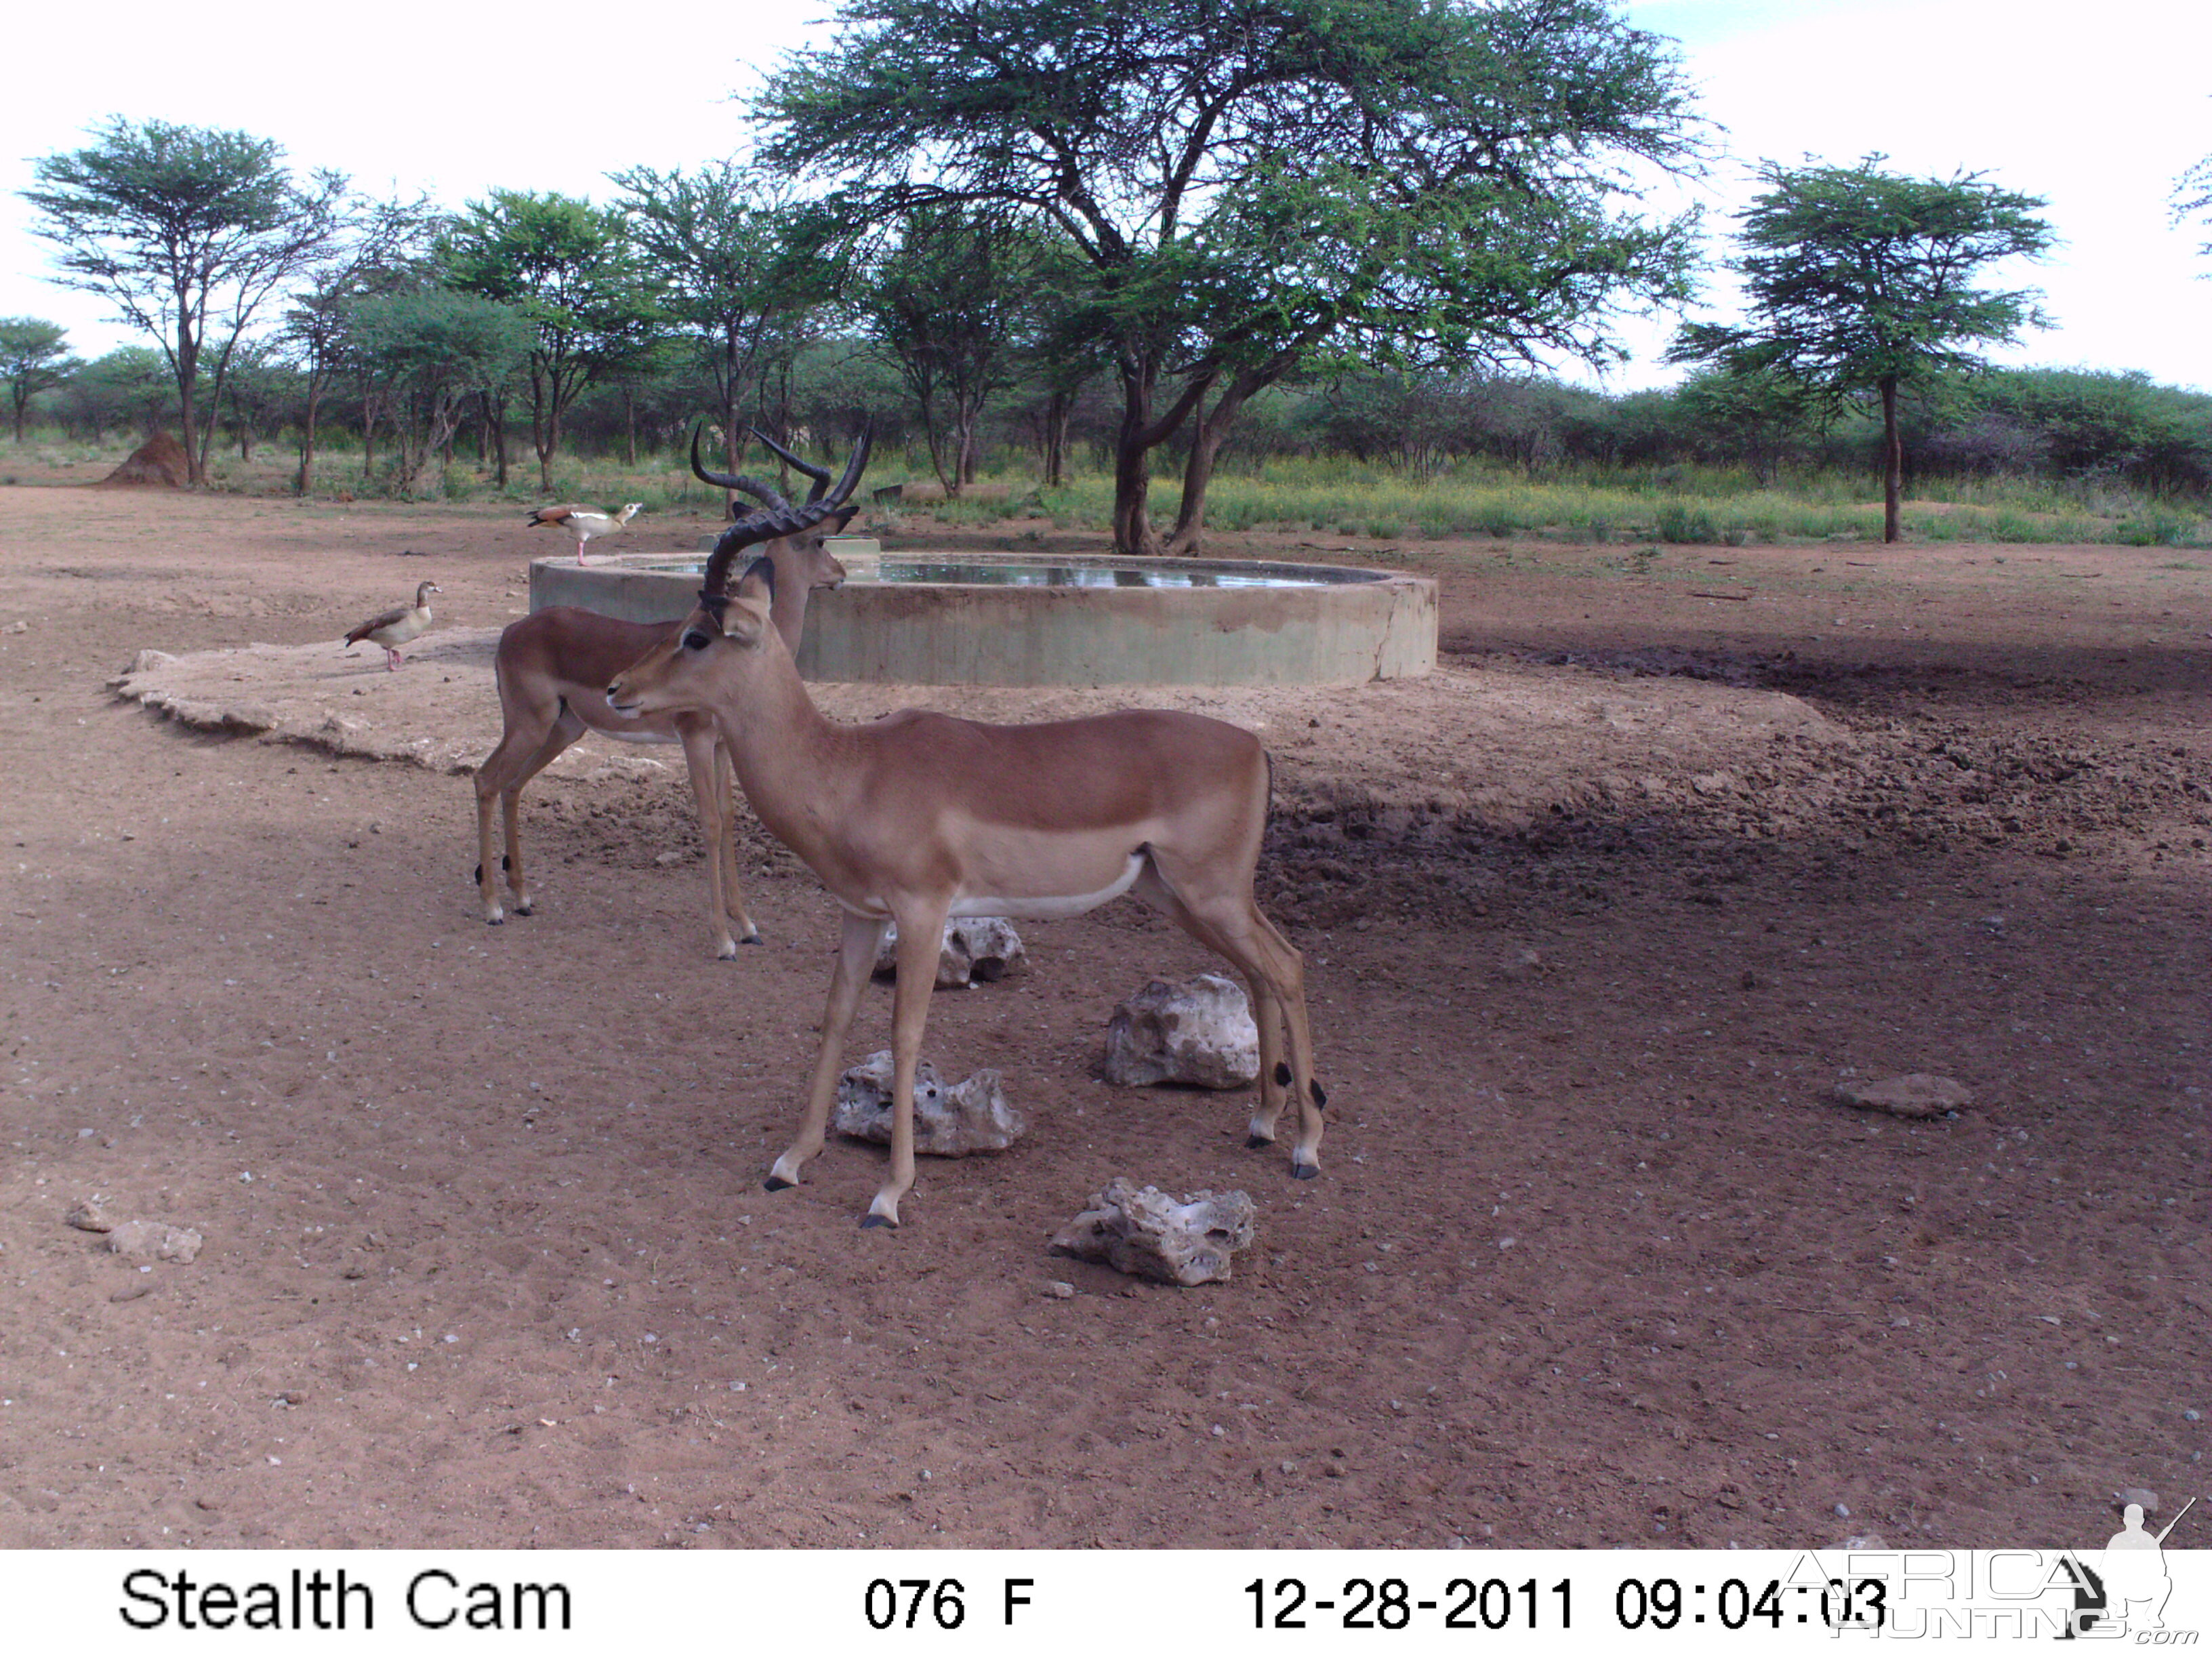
{"x":1594,"y":921}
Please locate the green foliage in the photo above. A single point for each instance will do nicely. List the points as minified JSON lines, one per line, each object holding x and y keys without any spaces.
{"x":950,"y":301}
{"x":743,"y":272}
{"x":1252,"y":187}
{"x":34,"y":356}
{"x":1859,"y":281}
{"x":426,"y":352}
{"x":1856,"y":277}
{"x":188,"y":231}
{"x":573,"y":272}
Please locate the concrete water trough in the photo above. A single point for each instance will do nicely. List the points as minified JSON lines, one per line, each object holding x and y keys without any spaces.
{"x":960,"y":618}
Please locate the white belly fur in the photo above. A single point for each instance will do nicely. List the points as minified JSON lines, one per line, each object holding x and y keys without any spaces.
{"x":1038,"y":907}
{"x":635,"y":734}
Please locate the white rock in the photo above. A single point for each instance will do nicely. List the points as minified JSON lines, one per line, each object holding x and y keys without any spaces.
{"x":89,"y":1215}
{"x":975,"y":948}
{"x":1917,"y":1094}
{"x":948,"y":1123}
{"x":1197,"y":1030}
{"x":1143,"y":1231}
{"x":154,"y":1241}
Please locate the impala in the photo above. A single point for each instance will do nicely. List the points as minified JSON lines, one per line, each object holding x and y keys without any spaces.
{"x":553,"y":666}
{"x":918,"y":817}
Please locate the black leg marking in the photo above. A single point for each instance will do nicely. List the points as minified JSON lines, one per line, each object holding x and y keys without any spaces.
{"x":1282,"y":1074}
{"x":504,"y":862}
{"x":1321,"y":1096}
{"x":478,"y":876}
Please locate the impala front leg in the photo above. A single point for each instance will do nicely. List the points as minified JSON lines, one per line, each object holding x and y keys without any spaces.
{"x":856,"y":957}
{"x":920,"y":938}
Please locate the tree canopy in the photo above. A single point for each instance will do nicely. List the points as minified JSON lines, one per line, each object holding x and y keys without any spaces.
{"x":1861,"y":281}
{"x":34,"y":355}
{"x":1252,"y":183}
{"x":188,"y":231}
{"x":572,"y":270}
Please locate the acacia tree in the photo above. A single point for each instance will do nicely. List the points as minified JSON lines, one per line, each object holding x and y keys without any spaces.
{"x":187,"y":232}
{"x":379,"y":250}
{"x":573,"y":270}
{"x":34,"y":356}
{"x":426,"y":354}
{"x":951,"y":301}
{"x":1249,"y":182}
{"x":739,"y":259}
{"x":1859,"y":281}
{"x":2192,"y":197}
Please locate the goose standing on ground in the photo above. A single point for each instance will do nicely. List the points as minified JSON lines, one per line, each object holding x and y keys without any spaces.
{"x":394,"y":627}
{"x":583,"y":523}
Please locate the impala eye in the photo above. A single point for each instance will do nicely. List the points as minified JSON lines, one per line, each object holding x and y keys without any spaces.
{"x":695,"y":639}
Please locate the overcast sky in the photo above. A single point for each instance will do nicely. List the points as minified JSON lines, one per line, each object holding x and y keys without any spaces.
{"x":2096,"y":107}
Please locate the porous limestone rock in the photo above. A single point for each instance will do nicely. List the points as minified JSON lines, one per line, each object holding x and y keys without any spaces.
{"x":154,"y":1241}
{"x":948,"y":1122}
{"x":1141,"y":1231}
{"x":975,"y":948}
{"x":1197,"y":1030}
{"x":1917,"y":1094}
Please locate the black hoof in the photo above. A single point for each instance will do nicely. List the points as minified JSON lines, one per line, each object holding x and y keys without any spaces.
{"x":752,"y":938}
{"x":1305,"y":1171}
{"x":1282,"y":1074}
{"x":776,"y":1184}
{"x":1253,"y":1141}
{"x":871,"y":1219}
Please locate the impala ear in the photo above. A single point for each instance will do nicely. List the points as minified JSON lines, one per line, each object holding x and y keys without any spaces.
{"x":746,"y":619}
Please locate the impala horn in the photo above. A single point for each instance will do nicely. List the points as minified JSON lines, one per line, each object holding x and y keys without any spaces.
{"x":774,"y":523}
{"x":819,"y":474}
{"x":767,"y":494}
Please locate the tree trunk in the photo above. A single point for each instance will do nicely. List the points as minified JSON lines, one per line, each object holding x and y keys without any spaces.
{"x":188,"y":371}
{"x":629,"y":427}
{"x":306,"y":481}
{"x":1893,"y":463}
{"x":1058,"y":411}
{"x":1197,"y":470}
{"x":20,"y":400}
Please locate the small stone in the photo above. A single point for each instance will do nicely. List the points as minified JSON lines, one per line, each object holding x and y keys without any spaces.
{"x":1917,"y":1094}
{"x":969,"y":1117}
{"x":1198,"y":1031}
{"x":154,"y":1241}
{"x":666,"y":860}
{"x":89,"y":1215}
{"x":975,"y":949}
{"x":2192,"y":1415}
{"x":2142,"y":1495}
{"x":1144,"y":1233}
{"x":132,"y":1292}
{"x":1844,"y":1511}
{"x":1058,"y":1289}
{"x":294,"y":1397}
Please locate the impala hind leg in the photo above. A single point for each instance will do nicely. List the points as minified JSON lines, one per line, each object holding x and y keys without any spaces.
{"x":921,"y":932}
{"x":748,"y":932}
{"x":702,"y":756}
{"x":527,"y":747}
{"x":856,"y":958}
{"x":1231,"y":923}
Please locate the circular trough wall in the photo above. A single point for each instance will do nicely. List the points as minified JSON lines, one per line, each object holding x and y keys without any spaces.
{"x":1004,"y":619}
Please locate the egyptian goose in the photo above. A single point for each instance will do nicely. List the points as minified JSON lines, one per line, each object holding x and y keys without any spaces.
{"x":583,"y":523}
{"x":394,"y":627}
